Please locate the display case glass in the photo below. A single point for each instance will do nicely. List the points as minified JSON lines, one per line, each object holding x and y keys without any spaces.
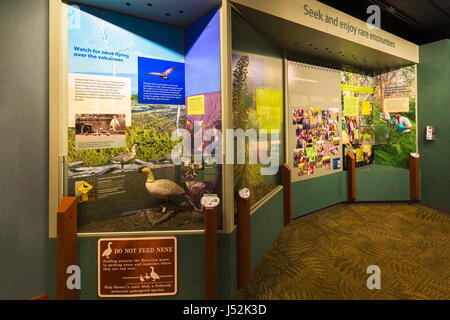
{"x":258,"y":108}
{"x":136,"y":91}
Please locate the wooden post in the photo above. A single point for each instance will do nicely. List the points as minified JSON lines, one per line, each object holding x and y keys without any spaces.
{"x":244,"y":239}
{"x":211,"y":256}
{"x":413,"y":176}
{"x":287,"y":194}
{"x":66,"y":246}
{"x":351,"y":166}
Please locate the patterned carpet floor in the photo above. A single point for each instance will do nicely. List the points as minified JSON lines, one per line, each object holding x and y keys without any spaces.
{"x":326,"y":255}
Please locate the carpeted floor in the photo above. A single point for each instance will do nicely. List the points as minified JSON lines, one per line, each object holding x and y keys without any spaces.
{"x":326,"y":255}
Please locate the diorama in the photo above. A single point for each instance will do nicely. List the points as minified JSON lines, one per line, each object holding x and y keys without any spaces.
{"x":257,"y":97}
{"x":379,"y":116}
{"x":140,"y":91}
{"x":134,"y":87}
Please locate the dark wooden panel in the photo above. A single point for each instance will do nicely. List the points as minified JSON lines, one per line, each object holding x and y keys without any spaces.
{"x":244,"y":241}
{"x":66,"y":246}
{"x":287,"y":194}
{"x":351,"y":165}
{"x":211,"y":256}
{"x":413,"y":178}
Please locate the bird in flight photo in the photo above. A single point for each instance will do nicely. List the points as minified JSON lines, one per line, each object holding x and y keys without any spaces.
{"x":163,"y":74}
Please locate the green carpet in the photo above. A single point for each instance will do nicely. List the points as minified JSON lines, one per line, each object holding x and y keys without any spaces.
{"x":326,"y":255}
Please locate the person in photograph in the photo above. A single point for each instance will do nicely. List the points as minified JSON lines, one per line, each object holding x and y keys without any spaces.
{"x":114,"y":124}
{"x":306,"y":124}
{"x":297,"y":131}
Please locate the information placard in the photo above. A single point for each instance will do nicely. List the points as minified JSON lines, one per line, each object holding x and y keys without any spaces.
{"x":136,"y":267}
{"x":314,"y":123}
{"x":160,"y":81}
{"x":98,"y":94}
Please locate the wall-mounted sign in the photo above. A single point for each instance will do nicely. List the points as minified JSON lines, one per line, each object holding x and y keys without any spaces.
{"x":98,"y":94}
{"x":136,"y":267}
{"x":430,"y":133}
{"x":160,"y":81}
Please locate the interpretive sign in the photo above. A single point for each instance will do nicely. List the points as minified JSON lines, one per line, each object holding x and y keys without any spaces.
{"x":160,"y":81}
{"x":98,"y":94}
{"x":136,"y":267}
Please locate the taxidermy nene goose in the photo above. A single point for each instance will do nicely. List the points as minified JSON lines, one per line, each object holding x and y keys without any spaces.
{"x":161,"y":188}
{"x":123,"y":158}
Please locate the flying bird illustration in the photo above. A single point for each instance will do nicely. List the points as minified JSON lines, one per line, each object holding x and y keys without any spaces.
{"x":162,"y":75}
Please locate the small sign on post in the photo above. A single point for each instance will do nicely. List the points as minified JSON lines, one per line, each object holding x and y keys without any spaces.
{"x":137,"y":267}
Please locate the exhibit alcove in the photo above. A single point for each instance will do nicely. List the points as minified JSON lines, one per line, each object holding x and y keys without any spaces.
{"x":136,"y":96}
{"x":147,"y":99}
{"x":258,"y":109}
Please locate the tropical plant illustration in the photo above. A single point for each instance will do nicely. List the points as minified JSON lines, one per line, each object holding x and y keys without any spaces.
{"x":395,"y":152}
{"x":244,"y":117}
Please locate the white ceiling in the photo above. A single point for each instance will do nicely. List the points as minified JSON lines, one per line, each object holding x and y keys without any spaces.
{"x":175,"y":12}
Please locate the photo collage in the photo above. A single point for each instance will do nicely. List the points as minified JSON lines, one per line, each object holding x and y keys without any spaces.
{"x":317,"y":140}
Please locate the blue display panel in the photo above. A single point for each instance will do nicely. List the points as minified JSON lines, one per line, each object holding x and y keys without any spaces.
{"x":160,"y":81}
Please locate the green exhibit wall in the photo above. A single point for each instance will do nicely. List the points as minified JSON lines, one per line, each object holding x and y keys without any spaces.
{"x":227,"y":265}
{"x":373,"y":183}
{"x":266,"y":224}
{"x":190,"y":268}
{"x":24,"y":144}
{"x":315,"y":194}
{"x":382,"y":183}
{"x":434,"y":110}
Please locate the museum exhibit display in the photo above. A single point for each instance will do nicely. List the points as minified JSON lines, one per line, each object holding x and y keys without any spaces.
{"x":225,"y":149}
{"x":315,"y":130}
{"x":133,"y":84}
{"x":151,"y":147}
{"x":257,"y":96}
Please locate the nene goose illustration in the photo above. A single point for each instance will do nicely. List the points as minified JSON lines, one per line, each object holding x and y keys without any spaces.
{"x":162,"y":188}
{"x":123,"y":158}
{"x":163,"y":74}
{"x":108,"y":251}
{"x":153,"y":274}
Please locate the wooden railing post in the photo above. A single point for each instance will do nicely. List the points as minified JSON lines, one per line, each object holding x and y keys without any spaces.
{"x":210,"y":248}
{"x":66,"y":246}
{"x":243,"y":237}
{"x":287,"y":194}
{"x":413,"y":176}
{"x":351,"y":166}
